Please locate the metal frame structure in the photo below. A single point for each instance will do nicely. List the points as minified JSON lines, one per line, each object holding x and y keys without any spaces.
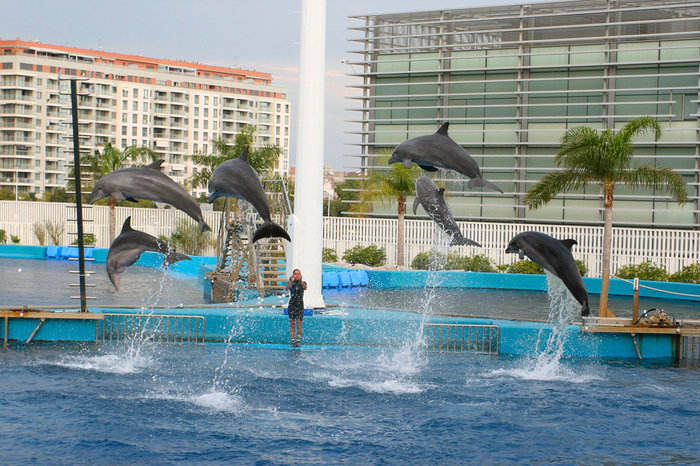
{"x":512,"y":79}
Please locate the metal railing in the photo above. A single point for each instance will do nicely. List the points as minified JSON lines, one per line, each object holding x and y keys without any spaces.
{"x":158,"y":327}
{"x":690,"y":350}
{"x":461,"y":338}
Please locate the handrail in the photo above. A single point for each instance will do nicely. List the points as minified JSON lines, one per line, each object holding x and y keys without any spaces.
{"x":631,"y":282}
{"x":162,"y":327}
{"x":480,"y":338}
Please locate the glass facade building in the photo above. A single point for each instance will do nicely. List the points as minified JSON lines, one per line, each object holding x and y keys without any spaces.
{"x":512,"y":79}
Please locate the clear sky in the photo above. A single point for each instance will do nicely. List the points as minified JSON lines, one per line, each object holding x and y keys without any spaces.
{"x":259,"y":35}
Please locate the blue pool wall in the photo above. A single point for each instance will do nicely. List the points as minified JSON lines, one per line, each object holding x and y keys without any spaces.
{"x":193,"y":272}
{"x":266,"y":324}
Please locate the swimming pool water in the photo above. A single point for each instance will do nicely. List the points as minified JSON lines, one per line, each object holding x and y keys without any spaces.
{"x":228,"y":404}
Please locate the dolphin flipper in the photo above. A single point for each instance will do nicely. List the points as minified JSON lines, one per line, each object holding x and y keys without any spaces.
{"x":270,"y":230}
{"x":416,"y":203}
{"x":476,"y":182}
{"x":407,"y":164}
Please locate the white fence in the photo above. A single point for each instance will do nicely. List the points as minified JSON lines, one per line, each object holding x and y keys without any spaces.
{"x":672,"y":249}
{"x":18,"y":218}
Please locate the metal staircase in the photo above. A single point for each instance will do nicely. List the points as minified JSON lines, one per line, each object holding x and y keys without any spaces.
{"x":242,"y":265}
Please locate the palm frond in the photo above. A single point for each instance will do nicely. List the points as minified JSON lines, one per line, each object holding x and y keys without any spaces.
{"x":657,"y":178}
{"x":553,"y":184}
{"x":639,"y":126}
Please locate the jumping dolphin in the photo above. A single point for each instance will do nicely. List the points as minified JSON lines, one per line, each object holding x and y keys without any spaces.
{"x":433,"y":201}
{"x":438,"y":150}
{"x":148,"y":183}
{"x":236,"y":178}
{"x":127,"y":248}
{"x":554,"y":255}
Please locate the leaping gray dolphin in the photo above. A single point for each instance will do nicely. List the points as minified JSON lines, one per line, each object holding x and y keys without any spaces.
{"x":149,"y":183}
{"x":127,"y":248}
{"x":554,"y":255}
{"x":433,"y":201}
{"x":236,"y":178}
{"x":438,"y":150}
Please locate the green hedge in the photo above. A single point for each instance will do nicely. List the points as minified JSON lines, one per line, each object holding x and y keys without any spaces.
{"x":434,"y":260}
{"x":370,"y":255}
{"x":644,"y":271}
{"x":329,"y":255}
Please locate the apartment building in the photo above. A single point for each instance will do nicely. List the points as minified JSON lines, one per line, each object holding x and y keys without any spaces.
{"x":174,"y":107}
{"x":512,"y":79}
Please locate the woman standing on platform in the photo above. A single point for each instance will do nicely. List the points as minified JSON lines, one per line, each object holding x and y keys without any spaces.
{"x":296,"y":287}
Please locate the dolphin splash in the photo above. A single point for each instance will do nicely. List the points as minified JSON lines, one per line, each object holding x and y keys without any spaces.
{"x":148,"y":183}
{"x":438,"y":150}
{"x":127,"y":248}
{"x":236,"y":178}
{"x":433,"y":201}
{"x":554,"y":255}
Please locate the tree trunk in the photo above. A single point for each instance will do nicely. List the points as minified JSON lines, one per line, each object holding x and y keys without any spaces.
{"x":112,"y":221}
{"x":400,"y":235}
{"x":607,"y":252}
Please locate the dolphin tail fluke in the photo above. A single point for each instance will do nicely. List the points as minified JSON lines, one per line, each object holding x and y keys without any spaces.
{"x":270,"y":230}
{"x":173,"y":257}
{"x":459,"y":240}
{"x":203,"y":226}
{"x":585,"y":311}
{"x":477,"y":182}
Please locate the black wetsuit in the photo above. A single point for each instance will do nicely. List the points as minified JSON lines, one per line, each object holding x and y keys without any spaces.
{"x":296,"y":300}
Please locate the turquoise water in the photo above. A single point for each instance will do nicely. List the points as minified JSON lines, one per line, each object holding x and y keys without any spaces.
{"x":235,"y":404}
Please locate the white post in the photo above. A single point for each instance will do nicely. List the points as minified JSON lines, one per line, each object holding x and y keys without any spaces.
{"x":307,"y":221}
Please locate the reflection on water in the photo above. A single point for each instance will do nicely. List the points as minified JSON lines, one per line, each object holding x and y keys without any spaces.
{"x":47,"y":283}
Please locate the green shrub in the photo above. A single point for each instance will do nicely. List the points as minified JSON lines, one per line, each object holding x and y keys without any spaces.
{"x":370,"y":255}
{"x":688,"y":274}
{"x":187,"y":238}
{"x":479,"y":263}
{"x":3,"y":237}
{"x":644,"y":271}
{"x":582,"y":267}
{"x":88,"y":240}
{"x":430,"y":260}
{"x":15,"y":239}
{"x":525,"y":266}
{"x":329,"y":255}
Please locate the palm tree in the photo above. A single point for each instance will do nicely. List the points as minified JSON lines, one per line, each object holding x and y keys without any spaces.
{"x":386,"y":185}
{"x":605,"y":158}
{"x":262,"y":159}
{"x":111,"y":159}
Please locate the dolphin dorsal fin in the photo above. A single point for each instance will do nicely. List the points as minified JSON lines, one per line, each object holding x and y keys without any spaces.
{"x":157,"y":165}
{"x":568,"y":243}
{"x":441,"y":191}
{"x":443,"y":129}
{"x":244,"y":155}
{"x":127,"y":225}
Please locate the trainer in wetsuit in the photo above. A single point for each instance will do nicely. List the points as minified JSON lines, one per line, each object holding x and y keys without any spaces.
{"x":296,"y":287}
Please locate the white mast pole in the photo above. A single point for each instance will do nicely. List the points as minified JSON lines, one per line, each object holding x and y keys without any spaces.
{"x":306,"y":224}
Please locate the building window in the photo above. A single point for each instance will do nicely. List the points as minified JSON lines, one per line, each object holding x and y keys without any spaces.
{"x":124,"y":142}
{"x":196,"y":123}
{"x":196,"y":135}
{"x":206,"y":112}
{"x":124,"y":130}
{"x":135,"y":93}
{"x":206,"y":100}
{"x":216,"y":101}
{"x":133,"y":132}
{"x":125,"y":93}
{"x":134,"y":119}
{"x":196,"y":111}
{"x":144,"y":132}
{"x":144,"y":119}
{"x":125,"y":105}
{"x":205,"y":124}
{"x":124,"y":117}
{"x":216,"y":113}
{"x":196,"y":99}
{"x":135,"y":106}
{"x":145,"y":94}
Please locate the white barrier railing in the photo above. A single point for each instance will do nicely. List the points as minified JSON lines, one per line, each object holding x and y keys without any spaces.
{"x":672,"y":249}
{"x":18,"y":218}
